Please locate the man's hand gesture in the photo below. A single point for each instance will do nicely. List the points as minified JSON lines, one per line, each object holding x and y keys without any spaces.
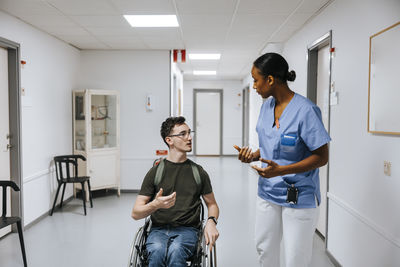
{"x":165,"y":202}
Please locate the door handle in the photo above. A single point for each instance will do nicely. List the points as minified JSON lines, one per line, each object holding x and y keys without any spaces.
{"x":9,"y":146}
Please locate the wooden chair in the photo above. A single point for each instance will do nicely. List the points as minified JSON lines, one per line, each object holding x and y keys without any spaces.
{"x":64,"y":164}
{"x":6,"y":221}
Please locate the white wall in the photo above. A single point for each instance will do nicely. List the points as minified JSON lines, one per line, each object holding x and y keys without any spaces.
{"x":135,"y":74}
{"x":255,"y":102}
{"x":364,"y":204}
{"x":232,"y":110}
{"x":48,"y":77}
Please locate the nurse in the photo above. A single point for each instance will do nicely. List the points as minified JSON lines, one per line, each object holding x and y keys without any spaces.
{"x":293,"y":145}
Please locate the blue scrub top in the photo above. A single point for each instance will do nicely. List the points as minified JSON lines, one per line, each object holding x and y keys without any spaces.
{"x":301,"y":131}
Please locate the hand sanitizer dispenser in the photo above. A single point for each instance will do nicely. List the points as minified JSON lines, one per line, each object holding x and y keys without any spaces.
{"x":149,"y":102}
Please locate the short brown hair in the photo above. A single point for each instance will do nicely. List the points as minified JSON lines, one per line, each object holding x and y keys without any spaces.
{"x":169,"y":124}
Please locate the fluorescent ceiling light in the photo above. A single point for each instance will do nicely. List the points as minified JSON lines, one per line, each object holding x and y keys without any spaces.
{"x":152,"y":20}
{"x":205,"y":56}
{"x":204,"y":72}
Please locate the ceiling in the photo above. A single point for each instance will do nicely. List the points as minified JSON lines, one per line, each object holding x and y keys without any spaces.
{"x":238,"y":29}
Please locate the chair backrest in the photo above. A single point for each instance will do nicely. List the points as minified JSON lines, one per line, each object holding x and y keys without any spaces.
{"x":4,"y":185}
{"x":65,"y":163}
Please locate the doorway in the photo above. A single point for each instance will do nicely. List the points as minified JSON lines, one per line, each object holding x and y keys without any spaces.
{"x":318,"y":90}
{"x":4,"y":132}
{"x":207,"y":118}
{"x":10,"y":128}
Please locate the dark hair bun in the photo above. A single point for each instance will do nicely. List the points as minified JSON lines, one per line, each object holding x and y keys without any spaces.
{"x":291,"y":76}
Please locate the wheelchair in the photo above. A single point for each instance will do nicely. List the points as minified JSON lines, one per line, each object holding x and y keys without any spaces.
{"x":202,"y":257}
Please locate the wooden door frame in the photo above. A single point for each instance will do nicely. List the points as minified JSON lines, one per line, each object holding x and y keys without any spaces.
{"x":14,"y":100}
{"x":195,"y":92}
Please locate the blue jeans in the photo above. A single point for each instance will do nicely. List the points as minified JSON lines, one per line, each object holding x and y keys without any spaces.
{"x":171,"y":246}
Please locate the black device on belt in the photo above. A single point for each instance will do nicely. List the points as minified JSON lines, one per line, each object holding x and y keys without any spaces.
{"x":292,"y":194}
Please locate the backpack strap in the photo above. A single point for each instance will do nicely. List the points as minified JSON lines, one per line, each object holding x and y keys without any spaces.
{"x":159,"y":172}
{"x":196,"y":174}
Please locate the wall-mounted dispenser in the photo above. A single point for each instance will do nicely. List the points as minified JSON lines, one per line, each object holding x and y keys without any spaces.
{"x":149,"y":102}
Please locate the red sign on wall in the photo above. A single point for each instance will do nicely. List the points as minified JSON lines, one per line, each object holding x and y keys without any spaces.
{"x":179,"y":55}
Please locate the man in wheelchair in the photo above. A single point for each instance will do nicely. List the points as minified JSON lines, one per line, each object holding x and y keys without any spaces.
{"x":170,"y":194}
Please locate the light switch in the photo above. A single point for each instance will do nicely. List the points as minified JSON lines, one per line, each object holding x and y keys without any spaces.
{"x":334,"y":98}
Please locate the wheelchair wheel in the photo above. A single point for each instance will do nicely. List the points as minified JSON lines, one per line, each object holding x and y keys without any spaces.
{"x":135,"y":259}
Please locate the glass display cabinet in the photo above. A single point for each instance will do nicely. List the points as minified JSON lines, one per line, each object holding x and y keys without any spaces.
{"x":96,"y":136}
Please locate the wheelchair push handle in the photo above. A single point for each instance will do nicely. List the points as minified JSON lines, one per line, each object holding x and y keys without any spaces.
{"x":212,"y":256}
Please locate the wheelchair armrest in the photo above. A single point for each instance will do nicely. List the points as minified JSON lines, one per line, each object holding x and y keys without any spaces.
{"x":10,"y":184}
{"x":147,"y":224}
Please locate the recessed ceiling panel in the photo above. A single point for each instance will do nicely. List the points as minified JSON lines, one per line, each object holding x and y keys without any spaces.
{"x":267,"y":6}
{"x":284,"y":34}
{"x":41,"y":21}
{"x":111,"y":31}
{"x":257,"y":23}
{"x":72,"y":31}
{"x":84,"y":7}
{"x":101,"y":21}
{"x":123,"y":42}
{"x":27,"y":7}
{"x":144,"y":7}
{"x":312,"y":5}
{"x":201,"y":21}
{"x":186,"y":7}
{"x":298,"y":19}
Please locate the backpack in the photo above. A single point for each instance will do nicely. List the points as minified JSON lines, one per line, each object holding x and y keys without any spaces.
{"x":160,"y":171}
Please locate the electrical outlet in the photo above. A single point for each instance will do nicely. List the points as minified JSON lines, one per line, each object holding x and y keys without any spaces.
{"x":387,"y":167}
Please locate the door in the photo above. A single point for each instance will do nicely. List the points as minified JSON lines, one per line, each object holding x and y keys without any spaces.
{"x":208,"y":122}
{"x":245,"y":116}
{"x":4,"y":132}
{"x":322,"y":100}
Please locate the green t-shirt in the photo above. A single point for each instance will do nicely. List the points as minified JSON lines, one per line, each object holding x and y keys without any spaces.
{"x":177,"y":177}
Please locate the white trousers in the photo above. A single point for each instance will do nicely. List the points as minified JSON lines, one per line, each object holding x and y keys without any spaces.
{"x":295,"y":227}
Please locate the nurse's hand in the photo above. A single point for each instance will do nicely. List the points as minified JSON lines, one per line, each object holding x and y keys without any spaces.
{"x":271,"y":170}
{"x":246,"y":155}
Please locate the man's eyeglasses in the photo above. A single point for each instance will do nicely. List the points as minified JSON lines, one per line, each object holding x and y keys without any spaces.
{"x":184,"y":134}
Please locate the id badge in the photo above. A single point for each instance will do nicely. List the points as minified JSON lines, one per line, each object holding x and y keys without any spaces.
{"x":292,"y":195}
